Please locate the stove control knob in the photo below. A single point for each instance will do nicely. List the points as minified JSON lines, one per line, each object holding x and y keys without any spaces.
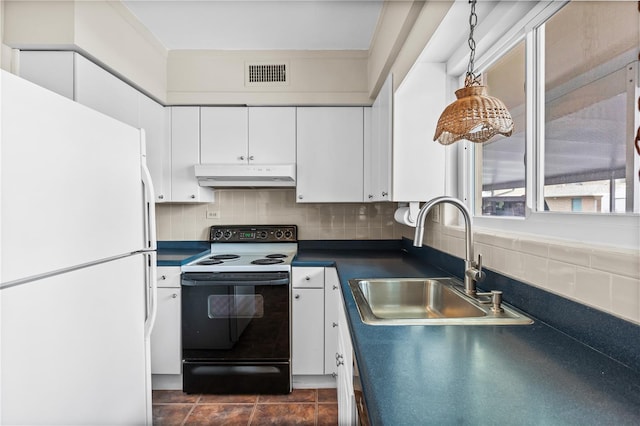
{"x":288,"y":234}
{"x":217,"y":235}
{"x":262,"y":235}
{"x":227,"y":235}
{"x":278,"y":234}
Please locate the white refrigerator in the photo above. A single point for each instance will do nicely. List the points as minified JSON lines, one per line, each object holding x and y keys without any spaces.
{"x":77,"y":263}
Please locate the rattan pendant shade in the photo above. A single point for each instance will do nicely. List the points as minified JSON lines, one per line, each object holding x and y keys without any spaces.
{"x":474,"y":116}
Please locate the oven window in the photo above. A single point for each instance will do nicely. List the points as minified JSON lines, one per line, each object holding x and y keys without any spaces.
{"x":235,"y":306}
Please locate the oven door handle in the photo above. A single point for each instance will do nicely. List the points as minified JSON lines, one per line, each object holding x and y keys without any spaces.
{"x":211,"y":283}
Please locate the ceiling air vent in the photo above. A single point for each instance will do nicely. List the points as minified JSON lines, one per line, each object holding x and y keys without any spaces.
{"x":266,"y":74}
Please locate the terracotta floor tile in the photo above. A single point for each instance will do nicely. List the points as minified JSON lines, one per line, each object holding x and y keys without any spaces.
{"x":220,"y":414}
{"x":284,"y":414}
{"x":227,"y":399}
{"x":327,"y":414}
{"x":298,"y":395}
{"x":171,"y":414}
{"x":173,"y":396}
{"x":328,"y":395}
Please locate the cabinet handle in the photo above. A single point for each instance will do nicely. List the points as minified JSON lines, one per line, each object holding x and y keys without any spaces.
{"x":339,"y":360}
{"x":384,"y":194}
{"x":173,"y":296}
{"x":300,"y":197}
{"x":297,"y":296}
{"x":251,"y":157}
{"x":163,"y":277}
{"x":334,"y":375}
{"x":334,"y":324}
{"x":241,"y":157}
{"x":335,"y":287}
{"x":161,"y":197}
{"x":370,"y":196}
{"x":307,"y":278}
{"x":192,"y":196}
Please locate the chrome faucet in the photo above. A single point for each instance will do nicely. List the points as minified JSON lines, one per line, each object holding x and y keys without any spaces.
{"x":472,"y":270}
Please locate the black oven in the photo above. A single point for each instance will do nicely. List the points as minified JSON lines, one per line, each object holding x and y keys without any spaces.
{"x":236,"y":333}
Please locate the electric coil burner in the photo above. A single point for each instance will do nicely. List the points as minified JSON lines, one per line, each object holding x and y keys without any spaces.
{"x":236,"y":304}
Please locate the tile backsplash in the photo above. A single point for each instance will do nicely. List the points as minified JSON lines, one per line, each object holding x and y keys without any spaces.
{"x":603,"y":278}
{"x":606,"y":279}
{"x":322,"y":221}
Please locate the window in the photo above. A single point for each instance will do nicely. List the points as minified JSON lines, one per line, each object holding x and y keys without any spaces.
{"x":587,"y":100}
{"x":568,"y":72}
{"x":501,"y":162}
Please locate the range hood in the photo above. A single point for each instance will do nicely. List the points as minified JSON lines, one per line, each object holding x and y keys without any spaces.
{"x":246,"y":175}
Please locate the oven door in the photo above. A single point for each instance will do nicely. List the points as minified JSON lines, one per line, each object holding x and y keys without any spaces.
{"x":236,"y":316}
{"x":236,"y":333}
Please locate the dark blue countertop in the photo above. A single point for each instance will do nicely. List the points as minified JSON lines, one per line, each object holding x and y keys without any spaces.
{"x":177,"y":253}
{"x":476,"y":375}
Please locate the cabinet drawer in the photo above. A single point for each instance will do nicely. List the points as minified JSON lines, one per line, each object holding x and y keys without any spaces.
{"x":168,"y":277}
{"x":307,"y":277}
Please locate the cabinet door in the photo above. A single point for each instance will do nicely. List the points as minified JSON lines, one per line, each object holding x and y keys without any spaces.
{"x":307,"y":277}
{"x":329,"y":154}
{"x":104,"y":92}
{"x":307,"y":345}
{"x":154,"y":119}
{"x":384,"y":140}
{"x":369,"y":185}
{"x":51,"y":70}
{"x":377,"y":163}
{"x":331,"y":301}
{"x":185,"y":154}
{"x":165,"y":339}
{"x":344,"y":361}
{"x":272,"y":135}
{"x":224,"y":135}
{"x":168,"y":276}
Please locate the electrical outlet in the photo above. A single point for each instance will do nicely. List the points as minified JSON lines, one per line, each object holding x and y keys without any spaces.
{"x":213,"y":214}
{"x":435,"y":214}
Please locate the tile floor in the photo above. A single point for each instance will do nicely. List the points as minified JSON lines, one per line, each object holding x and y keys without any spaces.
{"x":301,"y":407}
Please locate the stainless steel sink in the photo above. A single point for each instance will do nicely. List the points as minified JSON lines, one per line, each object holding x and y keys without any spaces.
{"x":421,"y":301}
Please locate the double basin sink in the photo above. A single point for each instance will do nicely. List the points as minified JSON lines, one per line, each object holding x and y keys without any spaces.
{"x":421,"y":301}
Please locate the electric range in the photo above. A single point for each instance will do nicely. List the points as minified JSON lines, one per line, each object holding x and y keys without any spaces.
{"x":236,"y":312}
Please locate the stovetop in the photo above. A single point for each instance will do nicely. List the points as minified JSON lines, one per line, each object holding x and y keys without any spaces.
{"x":248,"y":248}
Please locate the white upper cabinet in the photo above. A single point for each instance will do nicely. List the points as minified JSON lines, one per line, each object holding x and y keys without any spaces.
{"x":156,"y":121}
{"x":185,"y":153}
{"x":272,"y":135}
{"x":75,"y":77}
{"x":377,"y":165}
{"x":241,"y":135}
{"x":224,"y":135}
{"x":104,"y":92}
{"x":53,"y":70}
{"x":330,"y":154}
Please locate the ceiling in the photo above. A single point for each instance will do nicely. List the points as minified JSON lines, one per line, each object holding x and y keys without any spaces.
{"x":260,"y":24}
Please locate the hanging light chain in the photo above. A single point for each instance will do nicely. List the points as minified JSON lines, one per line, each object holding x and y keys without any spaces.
{"x":471,"y":78}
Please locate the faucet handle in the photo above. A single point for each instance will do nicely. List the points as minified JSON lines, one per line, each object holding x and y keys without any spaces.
{"x":480,"y":275}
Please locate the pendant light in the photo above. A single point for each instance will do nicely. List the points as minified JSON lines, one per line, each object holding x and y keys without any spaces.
{"x":474,"y":116}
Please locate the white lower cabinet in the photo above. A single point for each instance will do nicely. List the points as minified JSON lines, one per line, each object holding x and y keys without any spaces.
{"x":307,"y":322}
{"x":347,"y":414}
{"x":316,"y":292}
{"x":332,"y":297}
{"x":165,"y":338}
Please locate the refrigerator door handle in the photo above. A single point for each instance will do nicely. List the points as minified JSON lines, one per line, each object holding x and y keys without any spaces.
{"x":152,"y":286}
{"x":149,"y":197}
